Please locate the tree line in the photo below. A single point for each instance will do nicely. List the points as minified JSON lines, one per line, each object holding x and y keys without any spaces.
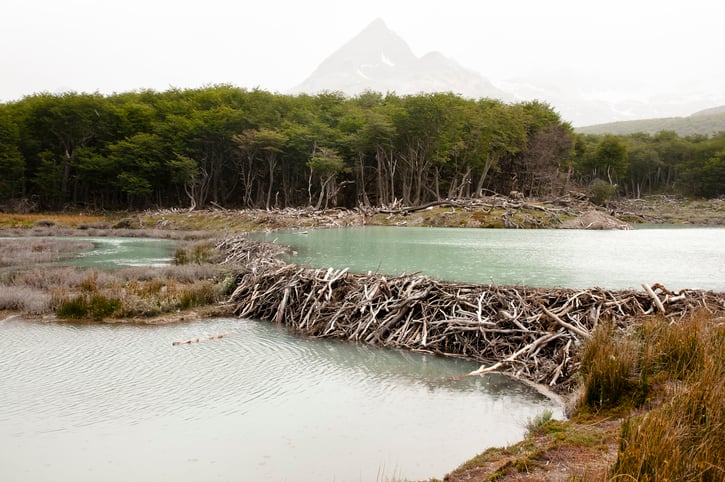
{"x":641,"y":164}
{"x":254,"y":149}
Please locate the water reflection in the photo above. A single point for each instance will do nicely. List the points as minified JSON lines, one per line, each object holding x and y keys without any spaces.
{"x":82,"y":401}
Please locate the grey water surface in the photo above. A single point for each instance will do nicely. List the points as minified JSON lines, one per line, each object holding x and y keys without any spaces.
{"x":95,"y":402}
{"x":676,"y":257}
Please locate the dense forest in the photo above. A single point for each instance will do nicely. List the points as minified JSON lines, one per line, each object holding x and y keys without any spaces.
{"x":253,"y":149}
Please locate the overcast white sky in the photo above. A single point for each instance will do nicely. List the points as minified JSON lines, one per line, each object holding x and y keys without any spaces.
{"x":628,"y":47}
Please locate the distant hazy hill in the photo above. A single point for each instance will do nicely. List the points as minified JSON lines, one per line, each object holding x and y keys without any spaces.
{"x":707,"y":122}
{"x":378,"y":59}
{"x":712,"y":111}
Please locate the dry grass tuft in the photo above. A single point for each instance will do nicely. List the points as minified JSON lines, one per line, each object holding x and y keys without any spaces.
{"x":683,"y":436}
{"x":609,"y":366}
{"x":25,"y":299}
{"x":677,"y":371}
{"x":30,"y":251}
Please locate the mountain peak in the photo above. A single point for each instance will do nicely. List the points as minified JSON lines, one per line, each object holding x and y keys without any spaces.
{"x":378,"y":59}
{"x":377,"y":25}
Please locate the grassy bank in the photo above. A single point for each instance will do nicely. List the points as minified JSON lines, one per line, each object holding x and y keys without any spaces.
{"x":651,"y":408}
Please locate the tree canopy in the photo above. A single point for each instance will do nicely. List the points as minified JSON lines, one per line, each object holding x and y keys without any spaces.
{"x":251,"y":148}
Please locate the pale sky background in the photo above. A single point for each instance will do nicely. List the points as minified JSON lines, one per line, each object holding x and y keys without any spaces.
{"x":615,"y":48}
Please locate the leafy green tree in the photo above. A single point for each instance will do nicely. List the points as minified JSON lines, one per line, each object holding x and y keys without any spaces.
{"x":713,"y":176}
{"x":178,"y":147}
{"x":260,"y":145}
{"x":497,"y":135}
{"x":375,"y":140}
{"x":326,"y":164}
{"x":644,"y":166}
{"x":61,"y":126}
{"x":12,"y":163}
{"x":185,"y":172}
{"x":427,"y":126}
{"x":609,"y":160}
{"x":140,"y":161}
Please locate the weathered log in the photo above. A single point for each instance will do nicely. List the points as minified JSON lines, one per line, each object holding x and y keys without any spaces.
{"x":654,"y":297}
{"x":197,"y":340}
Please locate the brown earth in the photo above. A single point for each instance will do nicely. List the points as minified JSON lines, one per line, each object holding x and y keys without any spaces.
{"x":558,"y":451}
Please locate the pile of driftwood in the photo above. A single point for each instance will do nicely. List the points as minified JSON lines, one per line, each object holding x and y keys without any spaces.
{"x":530,"y":333}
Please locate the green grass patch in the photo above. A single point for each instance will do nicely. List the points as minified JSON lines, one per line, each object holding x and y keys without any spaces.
{"x":535,"y":425}
{"x":95,"y":307}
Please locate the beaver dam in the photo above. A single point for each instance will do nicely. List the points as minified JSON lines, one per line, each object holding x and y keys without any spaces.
{"x":529,"y":333}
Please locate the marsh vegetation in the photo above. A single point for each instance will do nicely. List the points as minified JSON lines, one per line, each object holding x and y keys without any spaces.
{"x":194,"y":280}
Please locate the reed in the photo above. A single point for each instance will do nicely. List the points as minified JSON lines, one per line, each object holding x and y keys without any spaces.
{"x":608,"y":368}
{"x":25,"y":299}
{"x":683,"y":436}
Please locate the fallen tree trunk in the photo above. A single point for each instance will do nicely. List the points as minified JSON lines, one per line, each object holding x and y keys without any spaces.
{"x":525,"y":332}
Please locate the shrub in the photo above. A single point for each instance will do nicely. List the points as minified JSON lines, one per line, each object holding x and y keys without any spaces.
{"x":533,"y":426}
{"x":96,"y":307}
{"x":89,"y":284}
{"x":198,"y":294}
{"x":202,"y":252}
{"x":601,"y":191}
{"x":197,"y":253}
{"x":181,"y":257}
{"x":44,"y":223}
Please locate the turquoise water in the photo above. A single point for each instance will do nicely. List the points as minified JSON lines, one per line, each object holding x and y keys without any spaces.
{"x":676,"y":257}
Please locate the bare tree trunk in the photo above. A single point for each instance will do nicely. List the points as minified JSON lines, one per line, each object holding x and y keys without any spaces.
{"x":271,"y":164}
{"x":482,"y":179}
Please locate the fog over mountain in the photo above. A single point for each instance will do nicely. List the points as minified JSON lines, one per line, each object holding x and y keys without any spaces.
{"x":378,"y":59}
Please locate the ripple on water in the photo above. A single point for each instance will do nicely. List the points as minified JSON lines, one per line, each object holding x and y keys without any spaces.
{"x":255,"y":392}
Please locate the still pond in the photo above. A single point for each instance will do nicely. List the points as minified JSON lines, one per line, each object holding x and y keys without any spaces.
{"x":119,"y":402}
